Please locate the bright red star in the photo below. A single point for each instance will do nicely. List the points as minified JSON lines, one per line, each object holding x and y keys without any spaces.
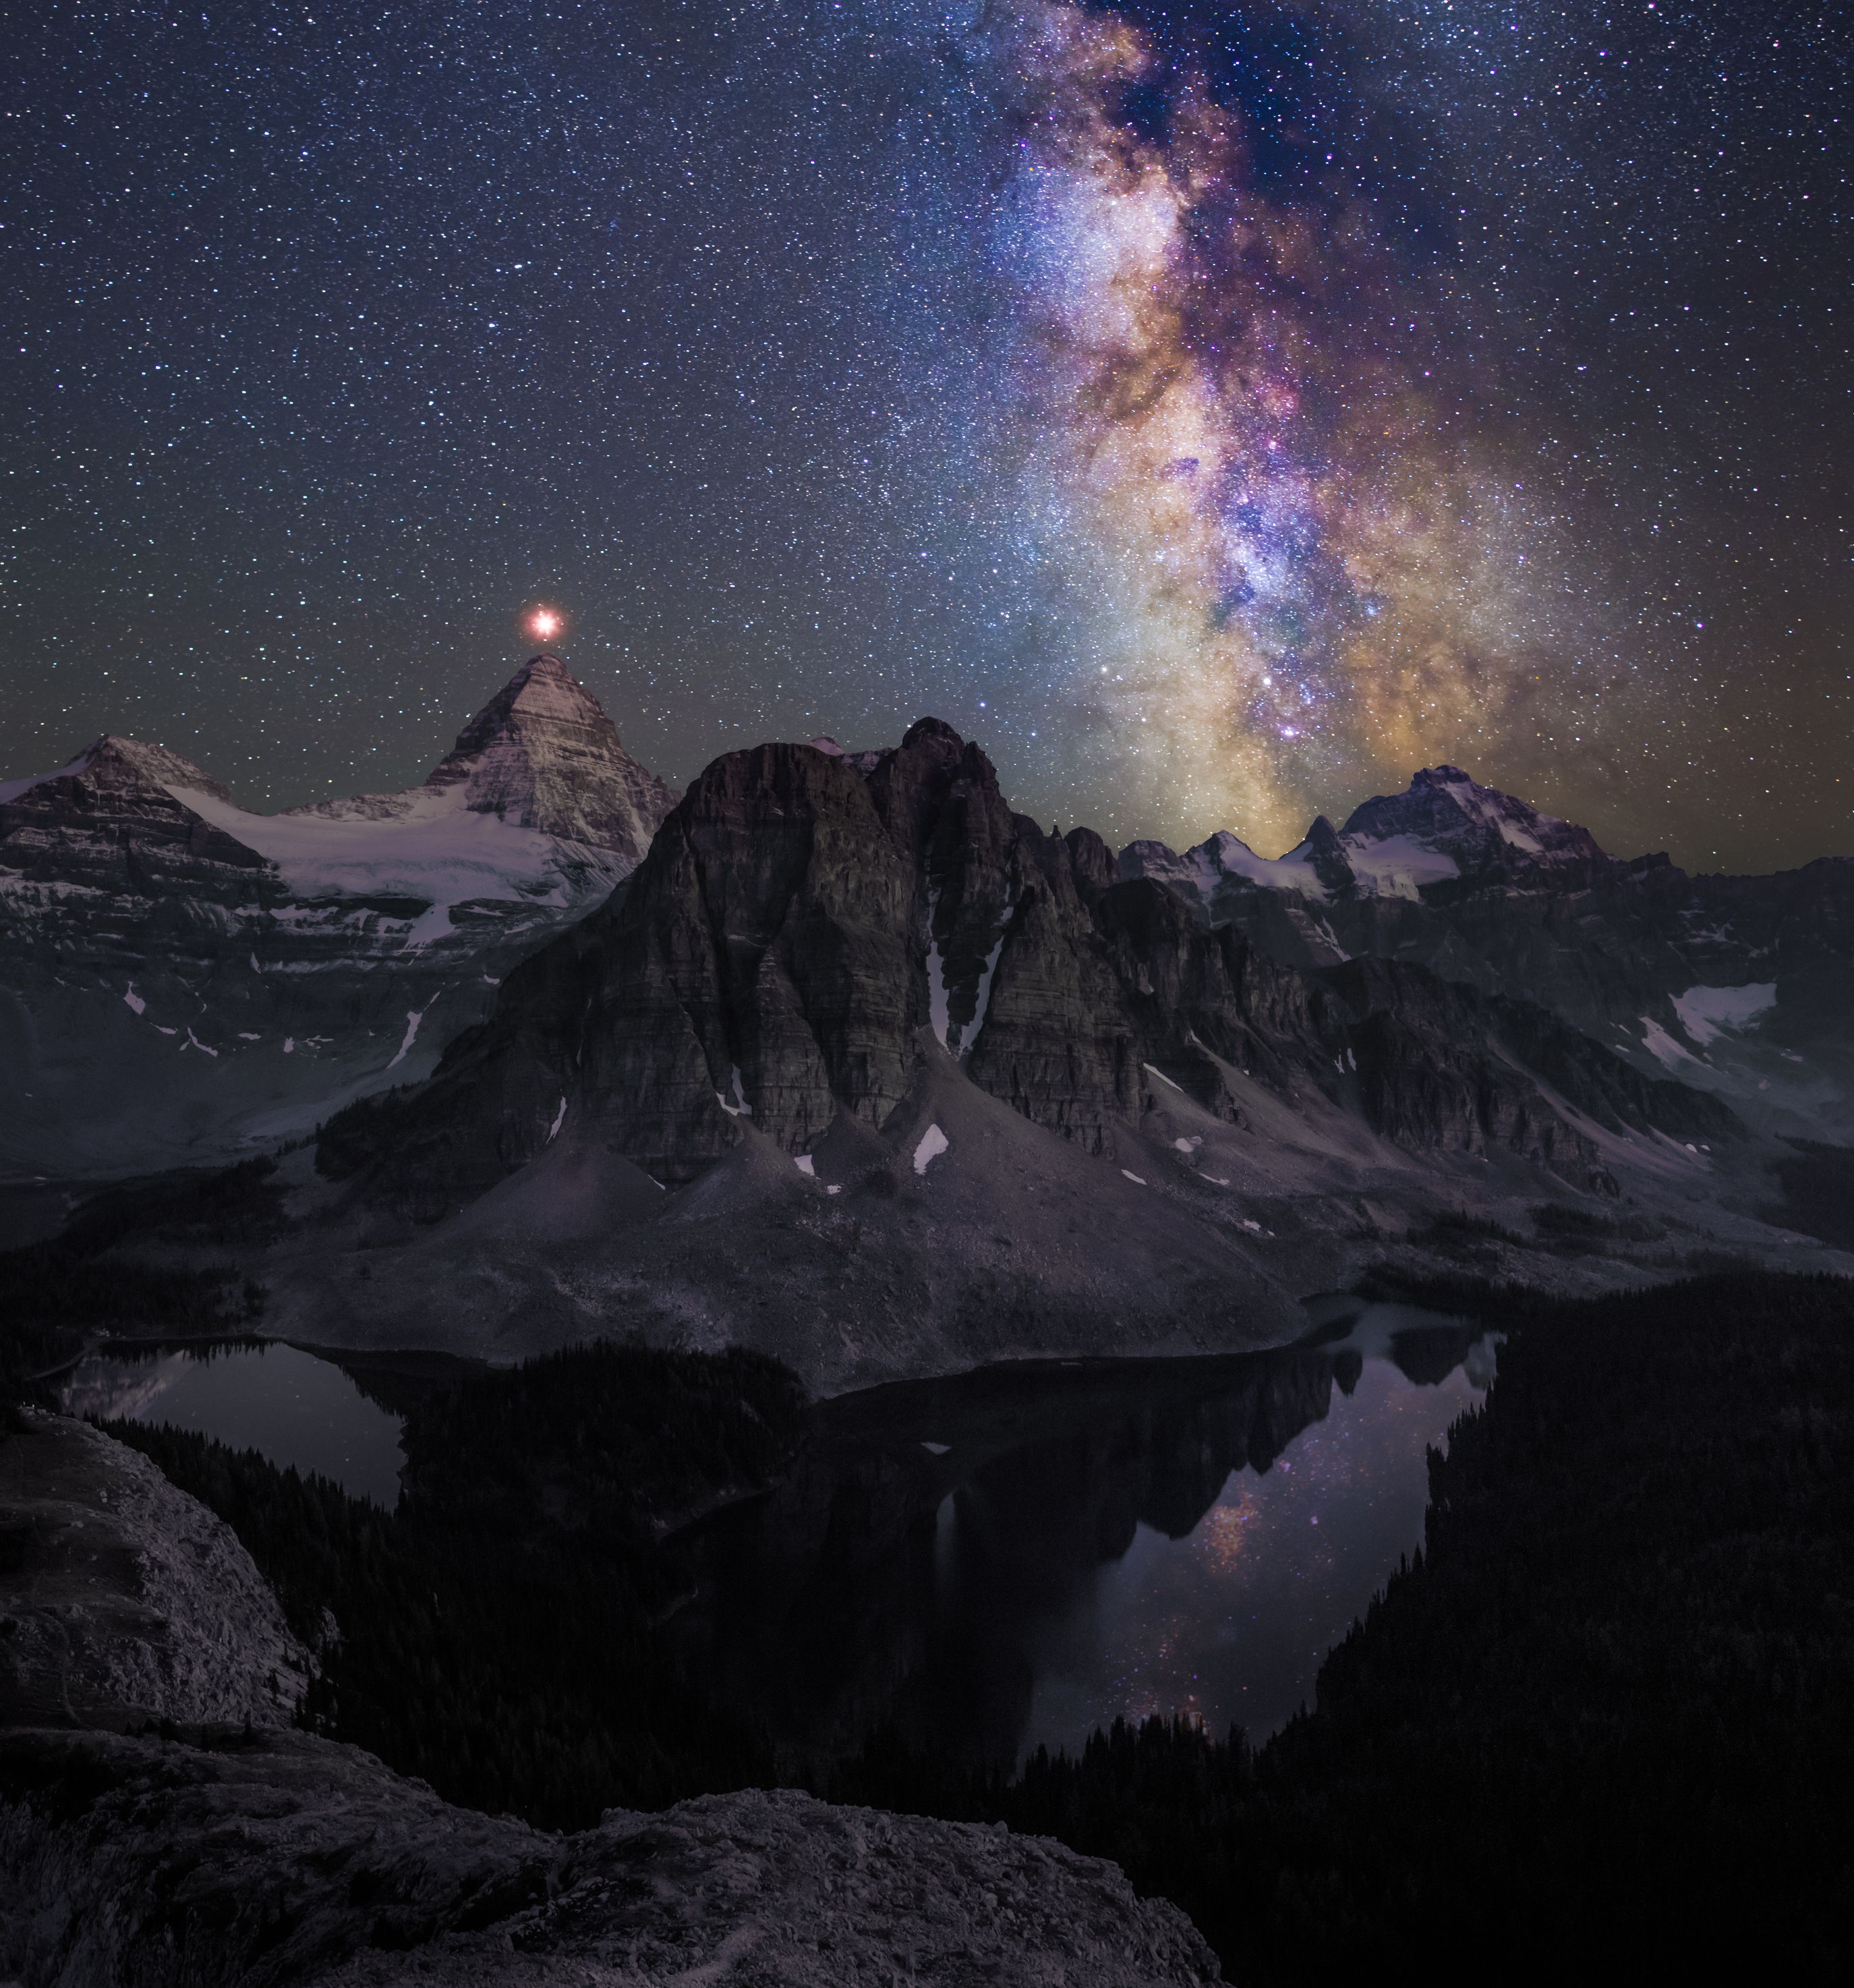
{"x":545,"y":623}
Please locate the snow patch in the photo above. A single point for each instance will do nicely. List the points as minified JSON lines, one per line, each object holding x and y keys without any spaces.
{"x":1133,"y":1177}
{"x":414,"y":1017}
{"x":244,"y":1038}
{"x":11,"y":790}
{"x":255,"y":967}
{"x":933,"y":1142}
{"x":982,"y":1000}
{"x":935,"y":1448}
{"x":1662,"y":1046}
{"x":194,"y":1042}
{"x":938,"y":1018}
{"x":430,"y":925}
{"x":1705,"y":1011}
{"x":559,"y":1120}
{"x":1227,"y":855}
{"x":166,"y":1032}
{"x":289,"y":1046}
{"x":134,"y":1000}
{"x":433,"y":848}
{"x":804,"y":1166}
{"x":1397,"y":866}
{"x":1162,"y":1078}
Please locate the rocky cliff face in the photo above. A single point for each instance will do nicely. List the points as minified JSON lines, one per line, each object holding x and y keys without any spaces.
{"x":181,"y":980}
{"x":866,"y":1069}
{"x":543,"y":756}
{"x":796,"y":923}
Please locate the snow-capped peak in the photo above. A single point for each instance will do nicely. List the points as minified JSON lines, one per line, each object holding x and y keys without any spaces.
{"x":541,"y":754}
{"x":1446,"y":817}
{"x":120,"y":769}
{"x":1445,"y":829}
{"x":1444,"y":800}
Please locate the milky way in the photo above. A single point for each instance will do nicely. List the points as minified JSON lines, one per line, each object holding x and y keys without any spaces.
{"x":1219,"y":411}
{"x":1304,"y":570}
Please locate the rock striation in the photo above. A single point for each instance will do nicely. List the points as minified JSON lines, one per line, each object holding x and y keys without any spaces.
{"x":543,"y":755}
{"x":182,"y":980}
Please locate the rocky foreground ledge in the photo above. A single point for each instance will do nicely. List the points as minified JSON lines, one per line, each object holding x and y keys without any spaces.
{"x":254,"y":1853}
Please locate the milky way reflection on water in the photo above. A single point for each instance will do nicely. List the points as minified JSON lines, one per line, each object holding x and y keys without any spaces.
{"x":1232,"y":1622}
{"x":1015,"y":1557}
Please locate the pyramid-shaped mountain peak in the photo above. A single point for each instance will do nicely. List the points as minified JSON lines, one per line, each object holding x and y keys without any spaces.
{"x":543,"y":754}
{"x":542,"y":689}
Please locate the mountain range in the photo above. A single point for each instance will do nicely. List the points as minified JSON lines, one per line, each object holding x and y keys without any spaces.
{"x":183,"y":981}
{"x":839,"y":1055}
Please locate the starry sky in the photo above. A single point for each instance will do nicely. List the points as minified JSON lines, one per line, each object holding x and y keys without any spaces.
{"x":1219,"y":411}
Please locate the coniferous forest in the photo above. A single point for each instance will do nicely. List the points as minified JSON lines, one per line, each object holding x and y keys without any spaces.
{"x":1604,"y":1721}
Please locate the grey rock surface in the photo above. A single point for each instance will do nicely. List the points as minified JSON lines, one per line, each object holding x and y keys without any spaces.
{"x":121,"y":1599}
{"x":1740,"y":986}
{"x":278,"y":1858}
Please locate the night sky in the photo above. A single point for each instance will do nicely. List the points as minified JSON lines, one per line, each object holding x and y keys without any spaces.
{"x":1219,"y":411}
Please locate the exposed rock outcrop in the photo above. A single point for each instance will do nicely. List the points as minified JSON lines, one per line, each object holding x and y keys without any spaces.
{"x":1742,"y":986}
{"x":124,"y":1599}
{"x":543,"y":755}
{"x":796,"y":923}
{"x":867,"y":1070}
{"x":281,"y":1858}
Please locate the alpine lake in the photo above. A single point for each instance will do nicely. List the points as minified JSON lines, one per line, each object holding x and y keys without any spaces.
{"x":995,"y":1561}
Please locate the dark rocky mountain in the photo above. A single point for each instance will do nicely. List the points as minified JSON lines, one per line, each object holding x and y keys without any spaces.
{"x":1741,"y":986}
{"x":182,"y":980}
{"x":865,"y":1068}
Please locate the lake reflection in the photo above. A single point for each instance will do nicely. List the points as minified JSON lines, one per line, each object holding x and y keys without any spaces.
{"x":1015,"y":1557}
{"x":295,"y":1408}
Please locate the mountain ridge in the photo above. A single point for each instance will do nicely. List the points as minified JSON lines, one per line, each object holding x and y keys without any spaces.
{"x":933,"y":1086}
{"x":184,"y":980}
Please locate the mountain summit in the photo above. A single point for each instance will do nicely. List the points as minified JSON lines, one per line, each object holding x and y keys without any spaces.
{"x":1489,"y":836}
{"x":1446,"y":834}
{"x":541,"y":754}
{"x":114,"y":775}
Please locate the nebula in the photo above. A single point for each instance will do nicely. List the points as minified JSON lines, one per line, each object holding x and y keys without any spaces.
{"x":1304,"y":561}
